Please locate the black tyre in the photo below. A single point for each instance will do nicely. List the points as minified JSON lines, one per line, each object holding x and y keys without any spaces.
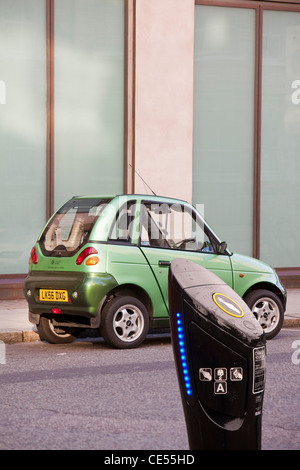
{"x":54,"y":334}
{"x":124,"y":322}
{"x":268,"y":310}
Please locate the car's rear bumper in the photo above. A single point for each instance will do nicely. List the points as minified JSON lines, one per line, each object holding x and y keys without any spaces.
{"x":85,"y":293}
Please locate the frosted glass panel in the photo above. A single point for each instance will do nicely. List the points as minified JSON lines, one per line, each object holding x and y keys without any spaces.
{"x":224,"y":121}
{"x":88,"y":90}
{"x":22,"y":130}
{"x":280,"y":143}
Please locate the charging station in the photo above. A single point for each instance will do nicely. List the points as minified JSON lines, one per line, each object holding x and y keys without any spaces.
{"x":219,"y":352}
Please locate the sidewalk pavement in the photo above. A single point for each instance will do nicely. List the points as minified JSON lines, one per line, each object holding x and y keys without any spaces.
{"x":15,"y":326}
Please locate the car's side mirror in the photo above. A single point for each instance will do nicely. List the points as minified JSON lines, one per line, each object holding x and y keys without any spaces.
{"x":222,"y":248}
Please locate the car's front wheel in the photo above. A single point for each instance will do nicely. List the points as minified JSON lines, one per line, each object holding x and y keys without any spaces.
{"x":55,"y":335}
{"x":268,"y":310}
{"x":124,"y":322}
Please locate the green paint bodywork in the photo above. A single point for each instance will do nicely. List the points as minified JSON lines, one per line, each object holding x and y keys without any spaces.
{"x":129,"y":267}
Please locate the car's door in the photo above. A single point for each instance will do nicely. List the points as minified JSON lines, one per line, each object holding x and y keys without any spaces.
{"x":125,"y":261}
{"x":169,"y":231}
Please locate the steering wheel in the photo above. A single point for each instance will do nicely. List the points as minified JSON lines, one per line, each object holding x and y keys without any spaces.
{"x":184,"y":242}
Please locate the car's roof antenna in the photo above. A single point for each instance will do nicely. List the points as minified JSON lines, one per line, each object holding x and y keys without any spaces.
{"x":142,"y":179}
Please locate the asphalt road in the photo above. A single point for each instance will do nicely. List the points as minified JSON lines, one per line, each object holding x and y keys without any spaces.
{"x":85,"y":395}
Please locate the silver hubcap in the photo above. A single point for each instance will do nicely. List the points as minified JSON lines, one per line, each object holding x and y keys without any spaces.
{"x":267,"y":313}
{"x":128,"y":323}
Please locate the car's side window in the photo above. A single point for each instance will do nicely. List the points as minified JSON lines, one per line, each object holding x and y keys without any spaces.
{"x":122,"y":227}
{"x":172,"y":226}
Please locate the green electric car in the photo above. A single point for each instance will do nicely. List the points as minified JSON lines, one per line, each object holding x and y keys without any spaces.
{"x":103,"y":262}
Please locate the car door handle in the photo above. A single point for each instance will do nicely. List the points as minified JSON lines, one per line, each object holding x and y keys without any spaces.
{"x":164,"y":263}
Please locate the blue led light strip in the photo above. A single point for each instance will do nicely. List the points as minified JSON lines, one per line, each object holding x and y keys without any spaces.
{"x":181,"y":345}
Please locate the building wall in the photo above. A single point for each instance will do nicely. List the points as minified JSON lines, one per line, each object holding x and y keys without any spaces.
{"x":164,"y":96}
{"x":160,"y":121}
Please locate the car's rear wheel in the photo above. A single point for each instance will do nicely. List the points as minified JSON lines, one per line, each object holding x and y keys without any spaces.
{"x":55,"y":334}
{"x":124,"y":322}
{"x":268,"y":310}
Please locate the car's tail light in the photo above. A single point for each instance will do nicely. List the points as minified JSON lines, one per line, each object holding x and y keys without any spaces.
{"x":86,"y":252}
{"x":33,"y":256}
{"x":56,"y":310}
{"x":92,"y":261}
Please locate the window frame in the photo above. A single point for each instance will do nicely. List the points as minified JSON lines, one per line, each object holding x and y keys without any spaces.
{"x":259,"y":7}
{"x":212,"y":238}
{"x":129,"y":240}
{"x":127,"y":102}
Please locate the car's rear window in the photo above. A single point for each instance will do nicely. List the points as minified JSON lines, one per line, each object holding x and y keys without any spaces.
{"x":71,"y":226}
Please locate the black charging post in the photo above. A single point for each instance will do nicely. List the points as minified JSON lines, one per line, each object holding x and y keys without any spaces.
{"x":219,"y":351}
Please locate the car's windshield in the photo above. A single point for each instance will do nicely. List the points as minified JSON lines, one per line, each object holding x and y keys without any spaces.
{"x":71,"y":226}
